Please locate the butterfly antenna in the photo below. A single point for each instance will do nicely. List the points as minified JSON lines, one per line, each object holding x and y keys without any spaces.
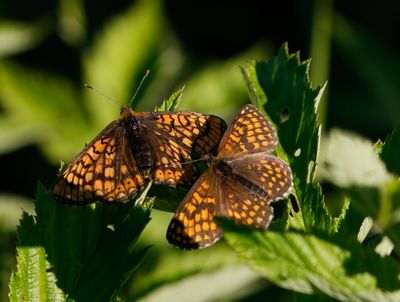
{"x":101,"y":93}
{"x":146,"y":73}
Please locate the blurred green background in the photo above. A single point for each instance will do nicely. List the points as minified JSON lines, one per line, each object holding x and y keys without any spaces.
{"x":49,"y":49}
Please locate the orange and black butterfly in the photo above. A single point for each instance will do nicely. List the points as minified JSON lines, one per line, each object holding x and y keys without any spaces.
{"x":242,"y":181}
{"x":139,"y":146}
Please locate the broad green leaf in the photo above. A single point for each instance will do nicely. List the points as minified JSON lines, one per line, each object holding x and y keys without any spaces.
{"x":16,"y":37}
{"x":348,"y":160}
{"x":120,"y":54}
{"x":85,"y":246}
{"x":166,"y":265}
{"x":339,"y":267}
{"x":34,"y":279}
{"x":46,"y":104}
{"x":281,"y":87}
{"x":238,"y":282}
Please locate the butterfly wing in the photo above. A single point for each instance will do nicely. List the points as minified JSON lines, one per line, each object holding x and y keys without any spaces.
{"x":263,"y":175}
{"x":177,"y":138}
{"x":193,"y":224}
{"x":104,"y":170}
{"x":239,"y":204}
{"x":249,"y":132}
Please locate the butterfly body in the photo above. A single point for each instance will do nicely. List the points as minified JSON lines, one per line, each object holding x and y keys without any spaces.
{"x":241,"y":183}
{"x":137,"y":147}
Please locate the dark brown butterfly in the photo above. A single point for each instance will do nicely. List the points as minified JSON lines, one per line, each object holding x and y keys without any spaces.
{"x":240,"y":184}
{"x":139,"y":146}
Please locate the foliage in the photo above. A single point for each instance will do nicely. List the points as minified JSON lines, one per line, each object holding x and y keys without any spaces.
{"x":309,"y":253}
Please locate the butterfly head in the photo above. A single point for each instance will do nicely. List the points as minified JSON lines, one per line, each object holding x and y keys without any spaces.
{"x":126,"y":111}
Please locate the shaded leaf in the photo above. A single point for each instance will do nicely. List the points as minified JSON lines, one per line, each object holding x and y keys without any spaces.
{"x":172,"y":102}
{"x":339,"y":267}
{"x":90,"y":249}
{"x":390,"y":151}
{"x":281,"y":87}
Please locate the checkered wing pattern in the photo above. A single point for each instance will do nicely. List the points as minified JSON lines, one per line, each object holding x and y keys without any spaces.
{"x":241,"y":205}
{"x":137,"y":147}
{"x":263,"y":175}
{"x":105,"y":170}
{"x":241,"y":183}
{"x":249,"y":132}
{"x":176,"y":138}
{"x":193,"y":224}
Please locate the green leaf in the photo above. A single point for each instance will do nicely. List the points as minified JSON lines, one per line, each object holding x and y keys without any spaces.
{"x":120,"y":54}
{"x":339,"y":267}
{"x":16,"y":37}
{"x":239,"y":281}
{"x":85,"y":246}
{"x":281,"y":87}
{"x":349,"y":160}
{"x":39,"y":108}
{"x":391,"y":150}
{"x":34,"y":279}
{"x":172,"y":102}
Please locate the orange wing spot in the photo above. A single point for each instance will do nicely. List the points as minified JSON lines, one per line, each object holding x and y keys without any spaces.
{"x":108,"y":185}
{"x":99,"y":169}
{"x":190,"y":232}
{"x":181,"y":216}
{"x":213,"y":226}
{"x":249,"y":221}
{"x":197,"y":197}
{"x":251,"y":139}
{"x":237,"y":215}
{"x":235,"y":138}
{"x":99,"y":147}
{"x":75,"y":180}
{"x":164,"y":160}
{"x":87,"y":161}
{"x":187,"y":142}
{"x":256,"y":207}
{"x":191,"y":208}
{"x":124,"y":169}
{"x":197,"y":217}
{"x":197,"y":228}
{"x":205,"y":226}
{"x":98,"y":185}
{"x":277,"y":170}
{"x":198,"y":238}
{"x":109,"y":172}
{"x":205,"y":214}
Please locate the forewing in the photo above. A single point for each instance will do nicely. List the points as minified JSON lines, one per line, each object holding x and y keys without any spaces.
{"x":249,"y":132}
{"x":171,"y":164}
{"x":197,"y":133}
{"x":263,"y":175}
{"x":103,"y":171}
{"x":193,"y":224}
{"x":176,"y":139}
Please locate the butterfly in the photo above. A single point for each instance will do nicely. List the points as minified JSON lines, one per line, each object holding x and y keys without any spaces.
{"x":137,"y":147}
{"x":241,"y":183}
